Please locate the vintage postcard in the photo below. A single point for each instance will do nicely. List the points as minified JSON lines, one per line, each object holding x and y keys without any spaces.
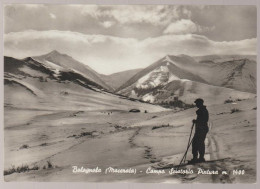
{"x":130,"y":93}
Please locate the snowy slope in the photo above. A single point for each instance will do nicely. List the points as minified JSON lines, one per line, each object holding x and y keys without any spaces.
{"x":177,"y":77}
{"x":32,"y":85}
{"x":170,"y":66}
{"x":239,"y":74}
{"x":58,"y":61}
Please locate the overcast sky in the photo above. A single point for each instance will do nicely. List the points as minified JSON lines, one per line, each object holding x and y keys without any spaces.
{"x":115,"y":38}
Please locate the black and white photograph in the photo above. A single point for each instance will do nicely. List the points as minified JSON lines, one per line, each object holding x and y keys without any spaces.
{"x":130,"y":93}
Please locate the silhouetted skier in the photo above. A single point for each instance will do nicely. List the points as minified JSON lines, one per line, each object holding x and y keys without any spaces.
{"x":201,"y":130}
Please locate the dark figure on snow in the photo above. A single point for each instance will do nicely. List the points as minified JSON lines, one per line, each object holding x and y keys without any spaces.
{"x":201,"y":130}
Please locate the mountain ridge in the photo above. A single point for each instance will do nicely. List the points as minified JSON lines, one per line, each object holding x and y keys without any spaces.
{"x":184,"y":74}
{"x":161,"y":62}
{"x":67,"y":62}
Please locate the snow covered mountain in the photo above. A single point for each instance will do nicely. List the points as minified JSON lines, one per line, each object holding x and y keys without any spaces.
{"x":178,"y":77}
{"x":161,"y":72}
{"x":34,"y":85}
{"x":237,"y":73}
{"x":60,"y":62}
{"x":29,"y":72}
{"x":172,"y":77}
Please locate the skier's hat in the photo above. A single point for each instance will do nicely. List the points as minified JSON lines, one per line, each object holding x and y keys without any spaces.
{"x":199,"y":101}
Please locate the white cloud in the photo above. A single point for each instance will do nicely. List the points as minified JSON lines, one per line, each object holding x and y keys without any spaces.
{"x":107,"y":54}
{"x":128,"y":14}
{"x":185,"y":26}
{"x":107,"y":24}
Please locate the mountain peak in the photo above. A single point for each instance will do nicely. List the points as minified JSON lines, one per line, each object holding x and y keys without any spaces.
{"x":28,"y":59}
{"x":53,"y":56}
{"x":167,"y":58}
{"x":55,"y":52}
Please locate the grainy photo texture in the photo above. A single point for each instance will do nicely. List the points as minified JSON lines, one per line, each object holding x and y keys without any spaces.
{"x":130,"y":93}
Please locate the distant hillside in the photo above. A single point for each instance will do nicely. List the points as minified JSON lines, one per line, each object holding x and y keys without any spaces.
{"x":58,"y":61}
{"x":29,"y":84}
{"x":117,"y":79}
{"x":239,"y":74}
{"x":182,"y":78}
{"x":19,"y":70}
{"x":162,"y":66}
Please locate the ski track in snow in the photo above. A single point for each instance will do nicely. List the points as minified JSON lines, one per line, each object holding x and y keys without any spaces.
{"x":211,"y":155}
{"x":147,"y":149}
{"x":214,"y":163}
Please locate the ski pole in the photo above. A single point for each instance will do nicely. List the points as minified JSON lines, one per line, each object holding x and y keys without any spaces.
{"x":189,"y":143}
{"x":185,"y":154}
{"x":184,"y":157}
{"x":187,"y":150}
